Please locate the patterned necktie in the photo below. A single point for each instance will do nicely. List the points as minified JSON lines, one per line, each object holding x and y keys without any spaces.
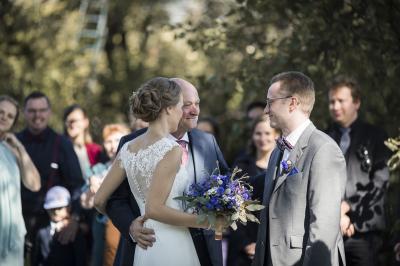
{"x":345,"y":139}
{"x":185,"y":153}
{"x":283,"y":144}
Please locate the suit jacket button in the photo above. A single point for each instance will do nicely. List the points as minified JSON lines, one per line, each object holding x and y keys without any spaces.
{"x":262,"y":243}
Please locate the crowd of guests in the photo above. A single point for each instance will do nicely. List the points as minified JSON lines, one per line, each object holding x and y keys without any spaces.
{"x":50,"y":219}
{"x":49,"y":181}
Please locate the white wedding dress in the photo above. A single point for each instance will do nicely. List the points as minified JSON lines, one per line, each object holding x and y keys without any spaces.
{"x":174,"y":245}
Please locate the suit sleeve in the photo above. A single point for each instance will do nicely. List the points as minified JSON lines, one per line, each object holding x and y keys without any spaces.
{"x":327,"y":179}
{"x":71,"y":174}
{"x":119,"y":208}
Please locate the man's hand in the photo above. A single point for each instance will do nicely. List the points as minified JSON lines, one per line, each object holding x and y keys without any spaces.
{"x":68,"y":232}
{"x":344,"y":208}
{"x":87,"y":199}
{"x":144,"y":237}
{"x":346,"y":226}
{"x":250,"y":250}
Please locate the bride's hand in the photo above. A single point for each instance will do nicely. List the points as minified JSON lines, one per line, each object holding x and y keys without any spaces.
{"x":220,"y":223}
{"x":144,"y":237}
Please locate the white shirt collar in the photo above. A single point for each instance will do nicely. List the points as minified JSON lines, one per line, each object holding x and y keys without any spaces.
{"x":294,"y":136}
{"x":185,"y":137}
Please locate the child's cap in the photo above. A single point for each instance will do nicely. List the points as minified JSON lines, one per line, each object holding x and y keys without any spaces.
{"x":57,"y":197}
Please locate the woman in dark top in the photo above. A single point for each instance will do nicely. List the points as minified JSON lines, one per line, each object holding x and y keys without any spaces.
{"x":76,"y":128}
{"x":254,"y":162}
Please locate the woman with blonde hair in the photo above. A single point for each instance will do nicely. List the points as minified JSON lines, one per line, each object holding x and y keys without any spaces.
{"x":16,"y":166}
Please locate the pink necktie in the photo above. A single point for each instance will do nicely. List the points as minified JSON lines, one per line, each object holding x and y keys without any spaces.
{"x":185,"y":154}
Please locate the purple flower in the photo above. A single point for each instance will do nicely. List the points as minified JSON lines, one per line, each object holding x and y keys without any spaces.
{"x":246,"y":196}
{"x":287,"y":166}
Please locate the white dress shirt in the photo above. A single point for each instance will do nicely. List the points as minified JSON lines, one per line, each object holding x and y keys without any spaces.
{"x":293,"y":137}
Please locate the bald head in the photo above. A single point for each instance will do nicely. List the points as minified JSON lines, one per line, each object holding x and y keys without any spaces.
{"x":184,"y":84}
{"x":191,"y":107}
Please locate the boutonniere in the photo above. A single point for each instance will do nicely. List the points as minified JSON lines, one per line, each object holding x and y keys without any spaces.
{"x":288,"y":168}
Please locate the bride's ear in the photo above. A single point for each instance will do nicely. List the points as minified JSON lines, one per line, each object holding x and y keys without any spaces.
{"x":168,"y":110}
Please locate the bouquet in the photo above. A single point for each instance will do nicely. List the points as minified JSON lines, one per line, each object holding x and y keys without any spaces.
{"x":222,"y":197}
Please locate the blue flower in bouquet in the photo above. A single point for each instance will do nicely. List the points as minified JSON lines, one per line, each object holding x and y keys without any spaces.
{"x":209,"y":206}
{"x":222,"y":196}
{"x":220,"y":190}
{"x":246,"y":195}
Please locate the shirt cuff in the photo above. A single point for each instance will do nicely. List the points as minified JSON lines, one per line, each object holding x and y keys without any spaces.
{"x":133,"y":239}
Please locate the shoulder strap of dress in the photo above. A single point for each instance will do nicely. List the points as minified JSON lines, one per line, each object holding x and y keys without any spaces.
{"x":163,"y":146}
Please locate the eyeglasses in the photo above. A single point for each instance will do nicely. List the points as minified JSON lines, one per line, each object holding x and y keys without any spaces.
{"x":72,"y":121}
{"x":271,"y":100}
{"x":33,"y":111}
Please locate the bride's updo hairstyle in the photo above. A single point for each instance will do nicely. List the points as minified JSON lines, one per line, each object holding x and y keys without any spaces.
{"x":154,"y":96}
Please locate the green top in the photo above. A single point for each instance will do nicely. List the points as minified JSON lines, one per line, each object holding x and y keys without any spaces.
{"x":12,"y":226}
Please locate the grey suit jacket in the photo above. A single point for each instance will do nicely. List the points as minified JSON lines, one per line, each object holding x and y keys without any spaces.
{"x":301,"y":222}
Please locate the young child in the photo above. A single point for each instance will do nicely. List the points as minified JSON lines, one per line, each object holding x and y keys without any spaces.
{"x":49,"y":251}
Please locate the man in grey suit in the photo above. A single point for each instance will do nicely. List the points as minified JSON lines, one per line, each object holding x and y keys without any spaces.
{"x":304,"y":185}
{"x":202,"y":154}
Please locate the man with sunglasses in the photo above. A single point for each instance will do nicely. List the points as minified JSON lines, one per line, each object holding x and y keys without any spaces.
{"x":304,"y":183}
{"x":367,"y":174}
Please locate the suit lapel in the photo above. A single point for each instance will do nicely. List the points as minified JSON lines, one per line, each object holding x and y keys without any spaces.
{"x":196,"y":158}
{"x":296,"y":154}
{"x":195,"y":169}
{"x":271,"y":175}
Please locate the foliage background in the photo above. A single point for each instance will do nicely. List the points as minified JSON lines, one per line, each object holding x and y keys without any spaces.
{"x":229,"y":49}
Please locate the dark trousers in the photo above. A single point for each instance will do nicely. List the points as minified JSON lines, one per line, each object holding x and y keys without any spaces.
{"x":362,"y":249}
{"x":33,"y":223}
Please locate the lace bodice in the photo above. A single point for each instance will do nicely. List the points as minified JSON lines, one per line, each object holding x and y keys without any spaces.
{"x":174,"y":245}
{"x":139,"y":167}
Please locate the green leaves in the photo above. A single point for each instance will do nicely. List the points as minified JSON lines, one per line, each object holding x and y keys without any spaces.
{"x":255,"y":207}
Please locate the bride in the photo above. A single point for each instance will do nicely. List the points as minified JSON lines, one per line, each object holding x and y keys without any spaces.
{"x":152,"y":164}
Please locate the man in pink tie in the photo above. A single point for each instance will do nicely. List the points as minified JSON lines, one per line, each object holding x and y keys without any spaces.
{"x":200,"y":156}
